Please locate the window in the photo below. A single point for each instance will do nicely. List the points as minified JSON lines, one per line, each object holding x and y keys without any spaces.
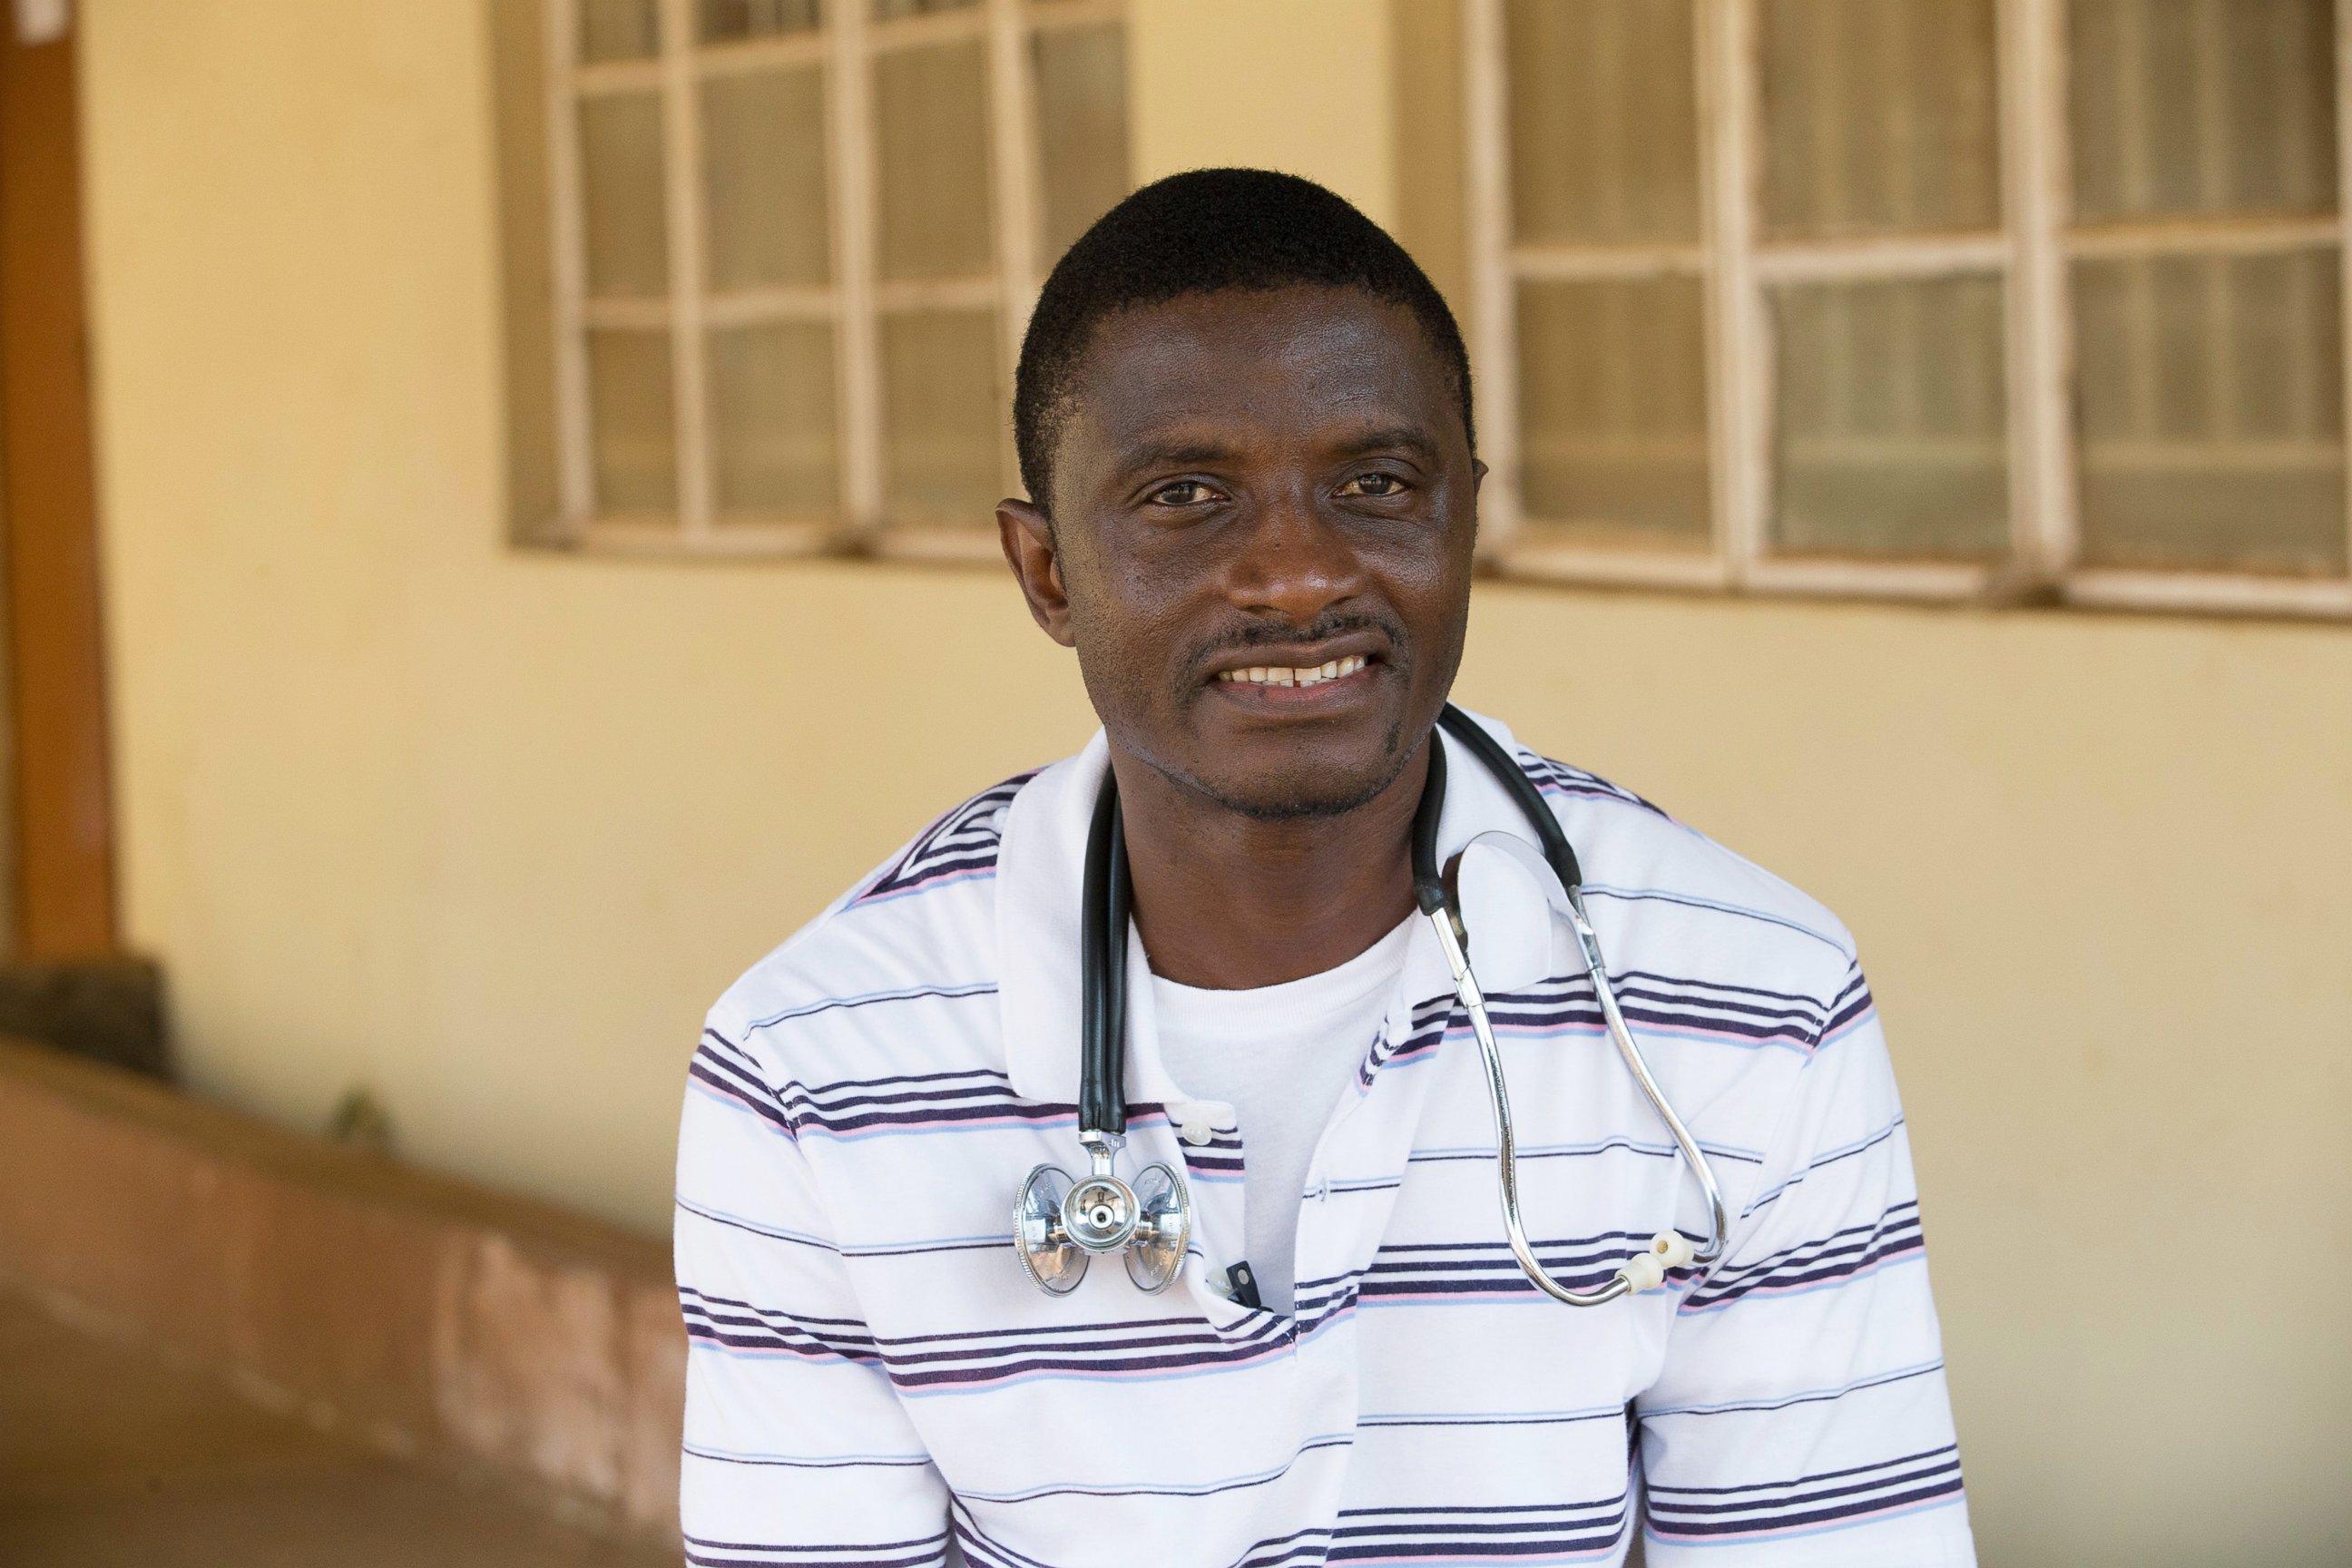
{"x":792,"y":247}
{"x":1933,"y":298}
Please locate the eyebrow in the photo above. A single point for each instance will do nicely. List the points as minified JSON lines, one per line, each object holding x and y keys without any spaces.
{"x":1185,"y":453}
{"x":1174,"y":454}
{"x":1389,"y":438}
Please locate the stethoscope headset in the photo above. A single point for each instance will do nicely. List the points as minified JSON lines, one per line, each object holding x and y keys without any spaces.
{"x":1059,"y":1225}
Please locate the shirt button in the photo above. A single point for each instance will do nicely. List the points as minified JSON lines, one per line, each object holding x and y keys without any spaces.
{"x":1196,"y":1133}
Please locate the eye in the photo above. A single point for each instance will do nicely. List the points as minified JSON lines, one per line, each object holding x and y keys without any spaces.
{"x":1183,"y":492}
{"x":1376,"y":483}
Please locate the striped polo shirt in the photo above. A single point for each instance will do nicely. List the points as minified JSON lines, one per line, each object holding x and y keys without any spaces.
{"x":876,"y":1383}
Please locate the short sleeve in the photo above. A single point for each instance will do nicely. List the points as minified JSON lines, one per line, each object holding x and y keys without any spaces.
{"x":796,"y":1449}
{"x":1802,"y":1415}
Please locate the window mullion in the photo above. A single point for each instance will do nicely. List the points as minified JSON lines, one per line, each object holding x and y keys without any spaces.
{"x":1738,"y":368}
{"x":2034,"y":183}
{"x":1012,"y":124}
{"x":575,"y":468}
{"x":2342,"y":240}
{"x":682,"y":190}
{"x":857,"y":336}
{"x":1493,"y":347}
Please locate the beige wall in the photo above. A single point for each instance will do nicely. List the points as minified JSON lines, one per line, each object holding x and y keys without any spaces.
{"x":1297,"y":85}
{"x":485,"y":830}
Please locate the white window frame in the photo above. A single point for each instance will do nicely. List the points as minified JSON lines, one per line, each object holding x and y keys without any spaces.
{"x":2030,"y":253}
{"x":847,"y":44}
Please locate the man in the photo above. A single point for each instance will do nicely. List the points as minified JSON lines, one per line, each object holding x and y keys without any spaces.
{"x":1243,"y":418}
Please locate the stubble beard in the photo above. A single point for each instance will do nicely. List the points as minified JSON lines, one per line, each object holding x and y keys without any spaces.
{"x":1298,"y":801}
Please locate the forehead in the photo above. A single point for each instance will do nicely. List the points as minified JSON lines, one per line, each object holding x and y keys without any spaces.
{"x":1286,"y":362}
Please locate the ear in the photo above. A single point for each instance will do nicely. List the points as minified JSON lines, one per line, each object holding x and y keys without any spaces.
{"x":1028,"y":540}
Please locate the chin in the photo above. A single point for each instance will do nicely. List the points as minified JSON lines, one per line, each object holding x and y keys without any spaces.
{"x":1302,"y":789}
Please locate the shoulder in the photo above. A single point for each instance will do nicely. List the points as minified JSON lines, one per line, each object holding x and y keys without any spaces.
{"x":1703,"y":927}
{"x":919,"y":927}
{"x":1741,"y":987}
{"x":959,"y":846}
{"x":1632,"y":849}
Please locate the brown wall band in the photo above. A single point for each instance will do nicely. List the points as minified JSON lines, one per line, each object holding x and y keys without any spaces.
{"x":64,"y":819}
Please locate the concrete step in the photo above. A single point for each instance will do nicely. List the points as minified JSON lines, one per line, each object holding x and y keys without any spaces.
{"x":112,"y":1456}
{"x":417,"y":1315}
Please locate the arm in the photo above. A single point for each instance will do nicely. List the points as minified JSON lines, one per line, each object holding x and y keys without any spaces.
{"x":1802,"y":1415}
{"x":796,"y":1449}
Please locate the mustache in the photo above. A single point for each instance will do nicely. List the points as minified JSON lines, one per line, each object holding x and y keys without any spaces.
{"x":1329,"y":625}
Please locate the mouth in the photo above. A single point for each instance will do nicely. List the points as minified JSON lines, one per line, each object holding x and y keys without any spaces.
{"x":1293,"y":683}
{"x":1295,"y":676}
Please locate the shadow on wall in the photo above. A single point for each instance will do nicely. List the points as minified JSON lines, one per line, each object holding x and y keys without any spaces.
{"x":106,"y":1010}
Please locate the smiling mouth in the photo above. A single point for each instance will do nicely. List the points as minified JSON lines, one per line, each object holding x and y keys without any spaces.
{"x":1288,"y":675}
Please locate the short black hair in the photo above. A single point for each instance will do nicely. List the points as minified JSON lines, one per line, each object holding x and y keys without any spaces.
{"x":1203,"y":232}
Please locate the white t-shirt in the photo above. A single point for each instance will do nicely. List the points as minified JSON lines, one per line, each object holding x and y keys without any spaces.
{"x":1279,"y":1055}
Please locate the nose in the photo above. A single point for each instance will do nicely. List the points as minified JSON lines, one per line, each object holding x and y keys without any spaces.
{"x":1297,"y":562}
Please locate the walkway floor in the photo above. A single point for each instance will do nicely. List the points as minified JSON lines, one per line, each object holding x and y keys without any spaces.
{"x":108,"y":1460}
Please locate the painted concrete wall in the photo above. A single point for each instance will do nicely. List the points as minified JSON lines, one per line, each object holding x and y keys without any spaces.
{"x":1301,"y":86}
{"x":485,"y":830}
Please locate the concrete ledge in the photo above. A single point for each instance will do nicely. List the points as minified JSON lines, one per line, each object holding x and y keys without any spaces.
{"x":427,"y":1315}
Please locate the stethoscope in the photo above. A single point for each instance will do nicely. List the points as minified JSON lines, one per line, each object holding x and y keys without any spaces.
{"x":1059,"y":1225}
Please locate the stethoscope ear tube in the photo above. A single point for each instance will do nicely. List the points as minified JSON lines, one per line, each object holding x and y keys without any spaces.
{"x":1435,"y":892}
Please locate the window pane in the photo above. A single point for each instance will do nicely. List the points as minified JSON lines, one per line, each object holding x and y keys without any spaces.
{"x":943,"y":413}
{"x":1081,"y":128}
{"x":618,"y":30}
{"x":1879,"y":115}
{"x":1604,"y":120}
{"x":1613,"y":399}
{"x":764,"y":148}
{"x":636,"y":432}
{"x":2202,"y":106}
{"x":621,"y":169}
{"x":771,"y":417}
{"x":1892,"y":419}
{"x":930,"y":113}
{"x":2212,"y":411}
{"x":724,"y":21}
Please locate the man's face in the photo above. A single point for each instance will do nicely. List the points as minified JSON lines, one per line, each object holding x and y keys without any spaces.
{"x":1264,"y":509}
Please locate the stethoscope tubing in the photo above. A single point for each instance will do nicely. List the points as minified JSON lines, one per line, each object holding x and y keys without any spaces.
{"x":1105,"y":906}
{"x":1107,"y":901}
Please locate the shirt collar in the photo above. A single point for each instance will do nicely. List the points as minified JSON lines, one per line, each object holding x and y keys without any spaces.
{"x":1040,"y":868}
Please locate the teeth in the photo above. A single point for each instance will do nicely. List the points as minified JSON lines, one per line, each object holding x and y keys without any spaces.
{"x":1310,"y":675}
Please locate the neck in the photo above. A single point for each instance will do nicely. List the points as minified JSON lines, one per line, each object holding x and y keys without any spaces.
{"x":1229,"y":902}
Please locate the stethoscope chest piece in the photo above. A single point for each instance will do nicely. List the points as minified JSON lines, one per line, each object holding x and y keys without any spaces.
{"x":1053,"y":1262}
{"x":1059,"y":1226}
{"x":1165,"y":1210}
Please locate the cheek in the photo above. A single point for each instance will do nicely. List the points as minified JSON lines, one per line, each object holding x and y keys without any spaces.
{"x":1431,"y":595}
{"x":1142,"y":609}
{"x":1130,"y":638}
{"x":1430,"y":588}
